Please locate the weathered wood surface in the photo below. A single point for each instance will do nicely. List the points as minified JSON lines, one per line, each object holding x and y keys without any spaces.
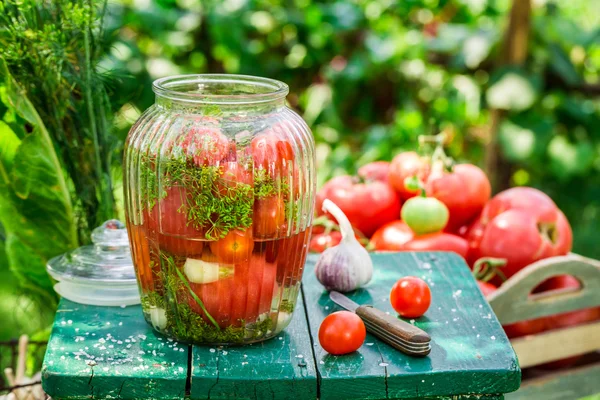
{"x":110,"y":352}
{"x":513,"y":301}
{"x":279,"y":368}
{"x":571,"y":384}
{"x":470,"y":352}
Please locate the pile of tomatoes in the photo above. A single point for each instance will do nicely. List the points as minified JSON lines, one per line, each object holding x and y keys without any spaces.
{"x":451,"y":209}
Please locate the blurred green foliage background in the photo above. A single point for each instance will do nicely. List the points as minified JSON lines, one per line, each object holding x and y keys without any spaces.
{"x":369,"y":76}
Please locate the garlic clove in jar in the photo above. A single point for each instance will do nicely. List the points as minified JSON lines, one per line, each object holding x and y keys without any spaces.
{"x":347,"y":266}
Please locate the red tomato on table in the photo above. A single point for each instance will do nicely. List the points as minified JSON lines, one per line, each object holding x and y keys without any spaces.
{"x":342,"y":332}
{"x":410,"y":297}
{"x":367,"y":205}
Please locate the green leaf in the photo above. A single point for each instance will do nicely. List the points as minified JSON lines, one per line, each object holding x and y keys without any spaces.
{"x":8,"y":145}
{"x":562,"y":65}
{"x":35,"y":206}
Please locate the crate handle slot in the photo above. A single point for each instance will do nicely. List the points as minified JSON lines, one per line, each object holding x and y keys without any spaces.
{"x":512,"y":302}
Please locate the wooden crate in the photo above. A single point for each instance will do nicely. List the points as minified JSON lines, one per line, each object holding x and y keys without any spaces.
{"x":513,"y":303}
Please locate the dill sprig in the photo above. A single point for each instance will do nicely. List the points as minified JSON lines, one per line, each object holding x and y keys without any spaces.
{"x":52,"y":49}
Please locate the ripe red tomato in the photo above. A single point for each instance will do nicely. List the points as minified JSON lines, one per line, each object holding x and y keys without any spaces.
{"x":271,"y":153}
{"x":169,"y":220}
{"x":486,"y":288}
{"x":232,"y":175}
{"x":253,"y":284}
{"x":410,"y":297}
{"x":375,"y":171}
{"x":522,"y":198}
{"x":391,"y":236}
{"x":234,"y":248}
{"x":216,"y":298}
{"x":367,"y":205}
{"x":406,"y":165}
{"x":513,"y":235}
{"x":440,"y":241}
{"x":321,"y":241}
{"x":464,"y":191}
{"x":522,"y":225}
{"x":290,"y":257}
{"x":342,"y":332}
{"x":206,"y":145}
{"x":268,"y":217}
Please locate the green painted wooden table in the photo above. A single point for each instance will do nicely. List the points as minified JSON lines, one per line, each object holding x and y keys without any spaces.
{"x":103,"y":353}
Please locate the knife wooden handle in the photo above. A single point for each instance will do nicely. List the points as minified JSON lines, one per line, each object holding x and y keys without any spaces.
{"x":393,"y":325}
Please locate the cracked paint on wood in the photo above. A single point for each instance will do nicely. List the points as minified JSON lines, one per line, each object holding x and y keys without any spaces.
{"x":111,"y":352}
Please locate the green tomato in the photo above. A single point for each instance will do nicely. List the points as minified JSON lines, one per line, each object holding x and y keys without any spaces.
{"x":425,"y":214}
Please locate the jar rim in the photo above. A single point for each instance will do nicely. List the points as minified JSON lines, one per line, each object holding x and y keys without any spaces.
{"x":250,"y":89}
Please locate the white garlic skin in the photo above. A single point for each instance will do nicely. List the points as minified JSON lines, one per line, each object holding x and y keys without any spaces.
{"x":347,"y":266}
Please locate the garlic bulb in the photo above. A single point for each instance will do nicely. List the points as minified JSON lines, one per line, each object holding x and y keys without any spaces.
{"x":347,"y":266}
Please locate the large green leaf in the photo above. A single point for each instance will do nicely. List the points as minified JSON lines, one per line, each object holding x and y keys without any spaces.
{"x":35,"y":206}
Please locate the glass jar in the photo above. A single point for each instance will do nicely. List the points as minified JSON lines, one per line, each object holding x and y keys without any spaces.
{"x":219,"y":193}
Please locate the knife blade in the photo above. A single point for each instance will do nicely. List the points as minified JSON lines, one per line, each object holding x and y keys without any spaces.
{"x":399,"y":334}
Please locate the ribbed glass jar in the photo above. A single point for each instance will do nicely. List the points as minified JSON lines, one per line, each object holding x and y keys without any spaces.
{"x":219,"y":194}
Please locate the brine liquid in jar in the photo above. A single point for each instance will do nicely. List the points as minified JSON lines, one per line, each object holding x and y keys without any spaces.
{"x":219,"y":199}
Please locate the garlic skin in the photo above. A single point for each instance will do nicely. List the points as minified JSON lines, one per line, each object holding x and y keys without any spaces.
{"x":347,"y":266}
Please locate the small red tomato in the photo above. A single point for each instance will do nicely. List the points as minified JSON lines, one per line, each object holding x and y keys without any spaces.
{"x":406,"y":165}
{"x":205,"y":144}
{"x":410,"y":297}
{"x":234,"y":248}
{"x":342,"y":332}
{"x":269,"y":216}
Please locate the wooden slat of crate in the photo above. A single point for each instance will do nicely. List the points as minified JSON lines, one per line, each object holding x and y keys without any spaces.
{"x":570,"y":384}
{"x":558,"y":344}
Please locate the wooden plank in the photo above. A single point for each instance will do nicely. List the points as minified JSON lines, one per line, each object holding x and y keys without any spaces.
{"x":573,"y":383}
{"x":567,"y":342}
{"x":280,"y":368}
{"x":111,"y":352}
{"x":470,"y":352}
{"x":512,"y":302}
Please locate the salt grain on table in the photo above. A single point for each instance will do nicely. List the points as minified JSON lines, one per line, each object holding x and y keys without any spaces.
{"x":212,"y":350}
{"x":382,"y":364}
{"x":493,"y":338}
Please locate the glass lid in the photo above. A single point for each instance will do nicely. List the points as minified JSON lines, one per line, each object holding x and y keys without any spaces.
{"x":107,"y":262}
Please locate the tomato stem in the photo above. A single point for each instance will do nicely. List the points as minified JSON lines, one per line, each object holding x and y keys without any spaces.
{"x":486,"y":268}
